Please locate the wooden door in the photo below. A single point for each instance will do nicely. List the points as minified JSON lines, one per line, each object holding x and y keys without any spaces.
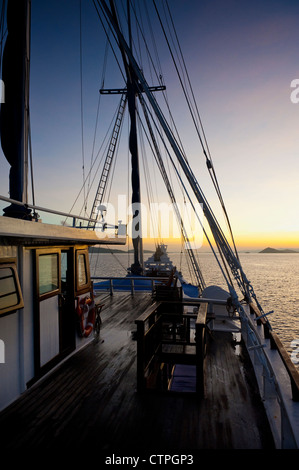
{"x":54,"y":307}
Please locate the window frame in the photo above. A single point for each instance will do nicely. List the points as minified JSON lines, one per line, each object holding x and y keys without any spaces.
{"x":12,"y":264}
{"x":82,"y":288}
{"x":52,"y":293}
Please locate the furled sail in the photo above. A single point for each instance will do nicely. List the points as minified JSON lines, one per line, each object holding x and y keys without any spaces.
{"x":14,"y":136}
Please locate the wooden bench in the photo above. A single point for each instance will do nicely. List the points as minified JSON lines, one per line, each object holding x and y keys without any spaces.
{"x":155,"y":352}
{"x":148,"y":342}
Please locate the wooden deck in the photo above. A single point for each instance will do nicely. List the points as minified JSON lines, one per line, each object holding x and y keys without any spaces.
{"x":91,"y":399}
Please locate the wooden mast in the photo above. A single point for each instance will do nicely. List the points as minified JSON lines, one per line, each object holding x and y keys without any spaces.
{"x":137,"y":265}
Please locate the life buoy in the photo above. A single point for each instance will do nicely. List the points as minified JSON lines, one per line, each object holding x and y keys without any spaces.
{"x":86,"y":306}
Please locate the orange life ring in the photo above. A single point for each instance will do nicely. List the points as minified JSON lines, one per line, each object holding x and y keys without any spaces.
{"x":86,"y":304}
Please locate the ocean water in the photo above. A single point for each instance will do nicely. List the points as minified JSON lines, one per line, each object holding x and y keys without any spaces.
{"x":274,"y":277}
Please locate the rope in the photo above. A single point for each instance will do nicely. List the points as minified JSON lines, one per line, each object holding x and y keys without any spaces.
{"x":31,"y":160}
{"x":98,"y":109}
{"x":107,"y":35}
{"x":94,"y":162}
{"x":191,"y":202}
{"x":81,"y":104}
{"x":3,"y":29}
{"x":207,"y":152}
{"x":150,"y":193}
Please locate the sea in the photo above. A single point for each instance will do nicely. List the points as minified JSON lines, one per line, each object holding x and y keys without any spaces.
{"x":274,"y":277}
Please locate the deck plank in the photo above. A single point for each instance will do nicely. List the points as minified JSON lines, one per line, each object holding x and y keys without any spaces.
{"x":92,"y":399}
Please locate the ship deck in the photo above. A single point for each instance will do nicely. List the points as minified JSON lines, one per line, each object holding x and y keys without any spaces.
{"x":91,"y":400}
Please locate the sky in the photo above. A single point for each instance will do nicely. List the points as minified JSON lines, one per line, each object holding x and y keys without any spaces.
{"x":242,"y":58}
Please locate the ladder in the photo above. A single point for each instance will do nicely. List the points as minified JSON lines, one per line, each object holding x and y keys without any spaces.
{"x":107,"y":164}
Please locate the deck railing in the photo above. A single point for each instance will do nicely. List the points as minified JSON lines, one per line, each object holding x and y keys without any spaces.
{"x":77,"y":221}
{"x":277,"y":345}
{"x":130,"y":283}
{"x":273,"y":368}
{"x":270,"y":360}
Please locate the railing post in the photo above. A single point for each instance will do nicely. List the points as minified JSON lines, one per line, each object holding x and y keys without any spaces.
{"x":140,"y":355}
{"x":288,"y":440}
{"x":200,"y":326}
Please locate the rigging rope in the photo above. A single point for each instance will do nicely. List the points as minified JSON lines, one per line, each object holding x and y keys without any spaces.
{"x":190,"y":200}
{"x":203,"y":140}
{"x":160,"y":164}
{"x":3,"y":30}
{"x":232,"y":259}
{"x":98,"y":109}
{"x":94,"y":162}
{"x":147,"y":179}
{"x":31,"y":162}
{"x":206,"y":150}
{"x":108,"y":36}
{"x":81,"y":104}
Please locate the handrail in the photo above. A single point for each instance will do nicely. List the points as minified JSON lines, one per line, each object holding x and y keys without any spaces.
{"x":291,"y":369}
{"x":134,"y":278}
{"x":131,"y":280}
{"x":148,"y":312}
{"x":52,"y":211}
{"x":276,"y":393}
{"x":277,"y":344}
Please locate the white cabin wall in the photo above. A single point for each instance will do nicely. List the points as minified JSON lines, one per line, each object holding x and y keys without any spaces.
{"x":9,"y":370}
{"x":17,"y":329}
{"x":10,"y":335}
{"x":16,"y":332}
{"x":49,"y":329}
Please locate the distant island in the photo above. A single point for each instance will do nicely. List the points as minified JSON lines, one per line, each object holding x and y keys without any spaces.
{"x":274,"y":250}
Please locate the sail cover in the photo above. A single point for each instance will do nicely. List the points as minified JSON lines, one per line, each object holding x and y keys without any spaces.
{"x":12,"y":110}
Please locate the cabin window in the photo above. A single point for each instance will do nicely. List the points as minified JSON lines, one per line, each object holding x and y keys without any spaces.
{"x":82,"y":273}
{"x":64,"y":266}
{"x":82,"y":270}
{"x":10,"y":292}
{"x":48,"y":273}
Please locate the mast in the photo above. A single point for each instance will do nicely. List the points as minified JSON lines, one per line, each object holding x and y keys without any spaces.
{"x":219,"y":236}
{"x":137,"y":266}
{"x":15,"y":110}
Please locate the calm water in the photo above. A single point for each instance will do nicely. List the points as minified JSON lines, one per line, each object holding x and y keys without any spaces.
{"x":275,"y":279}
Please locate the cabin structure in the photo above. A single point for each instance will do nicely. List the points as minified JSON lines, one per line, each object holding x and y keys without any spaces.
{"x":45,"y":287}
